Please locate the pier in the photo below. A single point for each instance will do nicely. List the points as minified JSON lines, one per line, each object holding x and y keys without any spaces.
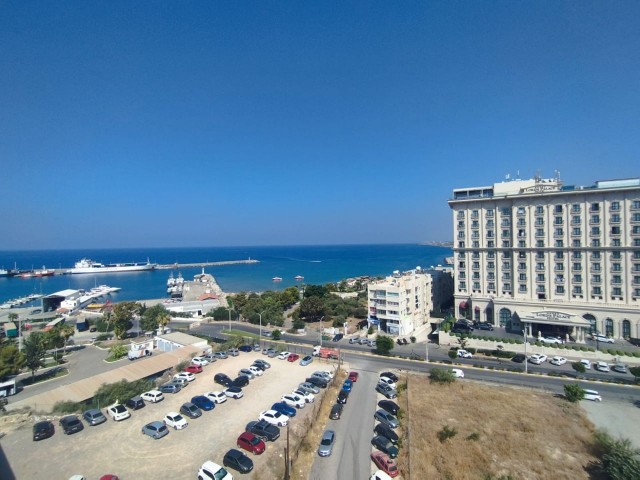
{"x":205,"y":264}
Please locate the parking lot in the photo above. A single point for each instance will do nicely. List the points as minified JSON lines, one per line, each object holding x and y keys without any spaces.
{"x":120,"y":448}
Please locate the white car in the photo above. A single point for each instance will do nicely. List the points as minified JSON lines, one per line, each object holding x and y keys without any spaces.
{"x":118,"y":412}
{"x":247,"y":373}
{"x":604,"y":339}
{"x":457,"y":373}
{"x":601,"y":366}
{"x":152,"y":396}
{"x":464,"y":354}
{"x":388,"y":381}
{"x":256,"y":371}
{"x":558,"y":361}
{"x":175,"y":421}
{"x":551,"y":340}
{"x":188,"y":376}
{"x":234,"y":392}
{"x":200,"y":361}
{"x":325,"y":373}
{"x":307,"y":396}
{"x":216,"y":397}
{"x":210,"y":469}
{"x":586,"y":363}
{"x":274,"y":418}
{"x":537,"y":359}
{"x":592,"y":395}
{"x":284,"y":355}
{"x":294,"y":400}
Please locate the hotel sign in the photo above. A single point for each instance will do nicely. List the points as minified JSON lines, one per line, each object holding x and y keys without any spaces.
{"x":550,"y":315}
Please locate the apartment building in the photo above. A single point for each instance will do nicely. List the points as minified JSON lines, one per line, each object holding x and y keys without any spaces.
{"x":401,"y":302}
{"x":549,"y":257}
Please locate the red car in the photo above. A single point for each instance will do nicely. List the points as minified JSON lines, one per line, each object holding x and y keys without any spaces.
{"x":251,"y":443}
{"x":353,"y":376}
{"x":193,"y":369}
{"x":293,"y":357}
{"x":384,"y":463}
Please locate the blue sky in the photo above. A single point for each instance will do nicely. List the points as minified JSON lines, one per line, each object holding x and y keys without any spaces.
{"x":194,"y":123}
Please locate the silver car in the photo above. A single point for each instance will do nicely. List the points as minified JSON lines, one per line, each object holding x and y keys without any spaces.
{"x":386,"y":418}
{"x":233,"y":352}
{"x":309,"y":387}
{"x":94,"y":417}
{"x":248,"y":373}
{"x":155,"y":430}
{"x":326,"y":444}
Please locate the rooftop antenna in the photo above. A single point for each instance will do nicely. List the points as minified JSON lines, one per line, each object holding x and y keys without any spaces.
{"x":537,"y":177}
{"x":518,"y":174}
{"x":507,"y":177}
{"x":557,"y":175}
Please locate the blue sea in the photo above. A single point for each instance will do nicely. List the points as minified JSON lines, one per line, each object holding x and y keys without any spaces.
{"x":317,"y":264}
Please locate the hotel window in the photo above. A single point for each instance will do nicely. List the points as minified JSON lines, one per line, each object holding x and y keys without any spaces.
{"x":522,"y":223}
{"x":463,"y":285}
{"x":507,"y":287}
{"x":490,"y":213}
{"x":476,"y":275}
{"x":474,"y":213}
{"x":636,"y":217}
{"x":559,"y":243}
{"x":595,"y":230}
{"x":476,"y":264}
{"x":522,"y":288}
{"x":522,"y":255}
{"x":522,"y":244}
{"x":635,"y":204}
{"x":540,"y":266}
{"x":489,"y":233}
{"x":615,"y":206}
{"x":577,"y":290}
{"x":616,"y":267}
{"x":506,"y":244}
{"x":522,"y":266}
{"x":491,"y":254}
{"x":636,"y":242}
{"x":596,"y":279}
{"x":540,"y":232}
{"x":595,"y":219}
{"x":475,"y":224}
{"x":540,"y":210}
{"x":597,"y":291}
{"x":595,"y":243}
{"x":559,"y":232}
{"x":560,"y":266}
{"x":491,"y":244}
{"x":460,"y":234}
{"x":636,"y":280}
{"x":595,"y":267}
{"x":576,"y":220}
{"x":616,"y":279}
{"x":523,"y":277}
{"x":539,"y":222}
{"x":476,"y":285}
{"x":491,"y":276}
{"x":557,"y":221}
{"x":595,"y":207}
{"x":491,"y":265}
{"x":506,"y":265}
{"x":540,"y":277}
{"x":595,"y":255}
{"x":576,"y":255}
{"x":460,"y":244}
{"x":617,"y":292}
{"x":462,"y":275}
{"x":615,"y":218}
{"x":520,"y":210}
{"x":636,"y":230}
{"x":539,"y":243}
{"x":636,"y":255}
{"x":615,"y":242}
{"x":636,"y":292}
{"x":460,"y":215}
{"x":490,"y":223}
{"x":577,"y":267}
{"x":577,"y":231}
{"x":505,"y":211}
{"x":557,"y":209}
{"x":575,"y":208}
{"x":539,"y":255}
{"x":636,"y":267}
{"x":560,"y":289}
{"x":616,"y":255}
{"x":476,"y":244}
{"x":492,"y":286}
{"x":576,"y":244}
{"x":506,"y":233}
{"x":577,"y":278}
{"x":460,"y":225}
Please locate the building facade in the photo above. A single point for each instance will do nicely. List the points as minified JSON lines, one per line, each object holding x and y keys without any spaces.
{"x":552,"y":258}
{"x":400,"y":303}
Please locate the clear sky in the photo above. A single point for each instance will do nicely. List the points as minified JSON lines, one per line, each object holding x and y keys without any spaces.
{"x":206,"y":123}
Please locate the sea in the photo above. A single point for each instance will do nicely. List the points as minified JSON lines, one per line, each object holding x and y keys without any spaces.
{"x":318,"y":264}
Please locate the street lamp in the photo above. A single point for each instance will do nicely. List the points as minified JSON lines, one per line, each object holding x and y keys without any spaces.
{"x":526,"y":360}
{"x":260,"y":315}
{"x":229,"y":308}
{"x":321,"y":318}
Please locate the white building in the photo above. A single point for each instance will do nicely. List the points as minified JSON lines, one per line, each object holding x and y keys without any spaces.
{"x":400,"y":303}
{"x":560,"y":259}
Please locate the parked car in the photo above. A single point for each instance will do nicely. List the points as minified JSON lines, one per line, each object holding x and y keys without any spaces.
{"x":42,"y":430}
{"x":306,"y":360}
{"x":483,"y":326}
{"x":464,"y":354}
{"x":188,"y":376}
{"x":118,"y":412}
{"x":233,"y":352}
{"x":353,"y":340}
{"x":391,"y":407}
{"x":238,"y":461}
{"x":193,"y":368}
{"x":240,"y":381}
{"x":170,"y":388}
{"x":249,"y":442}
{"x":353,"y":376}
{"x":604,"y":339}
{"x":558,"y":361}
{"x":152,"y":396}
{"x":342,"y":397}
{"x":293,"y":357}
{"x":256,"y":347}
{"x":284,"y":355}
{"x":294,"y":400}
{"x":202,"y":361}
{"x":326,"y":443}
{"x":248,"y":373}
{"x":245,"y":348}
{"x":537,"y":359}
{"x":347,"y":385}
{"x":364,"y":341}
{"x":328,"y":374}
{"x":385,"y":431}
{"x":551,"y":340}
{"x":519,"y":358}
{"x":209,"y":357}
{"x":270,"y":352}
{"x":71,"y":424}
{"x":257,"y":372}
{"x":309,"y":387}
{"x":305,"y":395}
{"x":183,"y":382}
{"x":155,"y":430}
{"x":457,"y":373}
{"x":175,"y":421}
{"x":386,"y":390}
{"x":217,"y":397}
{"x":233,"y":392}
{"x":220,"y":355}
{"x":264,"y":430}
{"x":274,"y":418}
{"x":620,"y":368}
{"x":212,"y":471}
{"x":390,"y":375}
{"x":222,"y":379}
{"x":586,"y":363}
{"x":592,"y":395}
{"x":602,"y":366}
{"x":387,"y":381}
{"x":336,"y":411}
{"x":384,"y":463}
{"x":461,"y":328}
{"x":284,"y":408}
{"x":263,"y":364}
{"x":317,"y":381}
{"x":338,"y":337}
{"x":135,"y":403}
{"x":385,"y":417}
{"x":384,"y":445}
{"x":203,"y":403}
{"x":94,"y":417}
{"x":190,"y":410}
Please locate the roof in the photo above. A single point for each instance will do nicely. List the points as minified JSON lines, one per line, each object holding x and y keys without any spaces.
{"x":63,"y":293}
{"x":207,"y":296}
{"x":181,"y":338}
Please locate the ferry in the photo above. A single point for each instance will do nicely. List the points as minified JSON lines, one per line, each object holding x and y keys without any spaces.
{"x":299,"y":278}
{"x":89,"y":266}
{"x":4,"y":273}
{"x":277,"y":279}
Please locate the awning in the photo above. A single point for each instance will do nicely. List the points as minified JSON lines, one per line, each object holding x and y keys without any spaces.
{"x":463,"y":304}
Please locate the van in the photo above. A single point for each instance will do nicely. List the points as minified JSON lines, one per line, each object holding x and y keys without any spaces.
{"x":135,"y":403}
{"x":592,"y":395}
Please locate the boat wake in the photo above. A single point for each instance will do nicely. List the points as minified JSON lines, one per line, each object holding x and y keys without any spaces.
{"x":300,"y":260}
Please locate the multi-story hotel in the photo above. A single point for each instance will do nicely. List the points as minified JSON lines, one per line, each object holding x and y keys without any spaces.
{"x":400,"y":303}
{"x":557,"y":259}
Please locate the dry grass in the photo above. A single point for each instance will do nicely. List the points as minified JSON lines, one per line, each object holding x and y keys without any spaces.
{"x":520,"y":433}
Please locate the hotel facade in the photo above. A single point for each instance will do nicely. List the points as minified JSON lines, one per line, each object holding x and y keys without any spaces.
{"x":540,"y":256}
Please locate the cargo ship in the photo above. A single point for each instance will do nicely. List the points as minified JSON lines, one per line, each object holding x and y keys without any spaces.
{"x":89,"y":266}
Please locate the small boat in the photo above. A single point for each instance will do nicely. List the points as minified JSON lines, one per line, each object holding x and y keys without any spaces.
{"x":43,"y":273}
{"x":299,"y":278}
{"x":277,"y":279}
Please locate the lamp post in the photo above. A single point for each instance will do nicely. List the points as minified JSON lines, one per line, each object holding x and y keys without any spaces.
{"x":229,"y":308}
{"x":321,"y":318}
{"x":260,"y":315}
{"x":526,"y":360}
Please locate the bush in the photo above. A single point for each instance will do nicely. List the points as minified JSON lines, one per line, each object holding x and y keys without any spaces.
{"x":619,"y":459}
{"x":370,"y":331}
{"x":116,"y":352}
{"x":620,"y":353}
{"x":120,"y":391}
{"x":440,"y":375}
{"x":104,"y":337}
{"x":413,"y":339}
{"x":471,"y":350}
{"x":64,"y":408}
{"x":453,"y":354}
{"x":446,"y":433}
{"x":276,"y":334}
{"x":573,"y":392}
{"x":475,"y":436}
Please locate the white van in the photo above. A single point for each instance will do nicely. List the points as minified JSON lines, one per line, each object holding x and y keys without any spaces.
{"x":380,"y":475}
{"x":592,"y":395}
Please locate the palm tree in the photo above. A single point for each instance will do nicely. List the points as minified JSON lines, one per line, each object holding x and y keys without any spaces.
{"x":163,"y":320}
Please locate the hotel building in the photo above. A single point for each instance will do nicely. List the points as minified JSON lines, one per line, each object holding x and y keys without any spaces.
{"x":400,"y":303}
{"x":553,"y":258}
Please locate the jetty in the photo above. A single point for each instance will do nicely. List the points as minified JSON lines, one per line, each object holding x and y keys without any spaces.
{"x":204,"y":264}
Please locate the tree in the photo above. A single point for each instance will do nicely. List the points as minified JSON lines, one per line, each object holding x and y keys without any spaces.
{"x":462,"y":341}
{"x":315,"y":291}
{"x":573,"y":392}
{"x":66,"y":332}
{"x":289,"y":296}
{"x":53,"y":340}
{"x":34,"y":351}
{"x":276,"y":334}
{"x":619,"y":457}
{"x":635,"y":371}
{"x":117,"y":351}
{"x":11,"y":360}
{"x":311,"y":308}
{"x":123,"y":312}
{"x":150,"y":316}
{"x":384,"y":344}
{"x":441,"y":375}
{"x":579,"y":367}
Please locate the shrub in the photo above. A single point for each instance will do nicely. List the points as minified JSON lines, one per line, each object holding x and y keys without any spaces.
{"x":452,"y":354}
{"x":573,"y":392}
{"x":475,"y":436}
{"x":440,"y":375}
{"x":120,"y":391}
{"x":64,"y":408}
{"x":619,"y":459}
{"x":276,"y":334}
{"x":471,"y":350}
{"x":446,"y":433}
{"x":583,"y":349}
{"x":103,"y":337}
{"x":519,"y":342}
{"x":116,"y":352}
{"x":636,"y":354}
{"x":370,"y":331}
{"x":413,"y":339}
{"x":578,"y":367}
{"x":620,"y":353}
{"x":182,"y":365}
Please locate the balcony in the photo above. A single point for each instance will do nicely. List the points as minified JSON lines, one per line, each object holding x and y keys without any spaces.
{"x":540,"y":268}
{"x":558,"y":268}
{"x":522,"y":268}
{"x":576,"y":268}
{"x":596,"y":281}
{"x":595,"y":270}
{"x":559,"y":281}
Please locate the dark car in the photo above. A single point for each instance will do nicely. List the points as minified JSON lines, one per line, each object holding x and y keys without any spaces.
{"x":519,"y":358}
{"x":483,"y":326}
{"x":262,"y":364}
{"x":390,"y":375}
{"x":222,"y":379}
{"x":93,"y":329}
{"x":135,"y":403}
{"x":203,"y":402}
{"x":94,"y":417}
{"x":385,"y":431}
{"x":264,"y":430}
{"x":284,"y":409}
{"x":461,"y":328}
{"x":241,"y":381}
{"x":392,"y":407}
{"x":190,"y":410}
{"x":245,"y":348}
{"x":42,"y":430}
{"x":318,"y":382}
{"x":343,"y":396}
{"x":71,"y":424}
{"x":336,"y":411}
{"x":238,"y":461}
{"x":170,"y":388}
{"x":251,"y":443}
{"x":338,"y":337}
{"x":384,"y":445}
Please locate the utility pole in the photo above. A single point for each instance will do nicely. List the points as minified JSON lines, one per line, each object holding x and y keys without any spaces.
{"x":321,"y":318}
{"x":526,"y":360}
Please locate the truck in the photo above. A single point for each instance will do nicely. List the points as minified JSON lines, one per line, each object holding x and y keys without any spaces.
{"x":139,"y":353}
{"x":82,"y":325}
{"x":323,"y":352}
{"x":10,"y":330}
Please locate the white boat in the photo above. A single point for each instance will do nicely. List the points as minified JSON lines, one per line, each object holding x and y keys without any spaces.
{"x":89,"y":266}
{"x":171,"y":281}
{"x":277,"y":279}
{"x":4,"y":272}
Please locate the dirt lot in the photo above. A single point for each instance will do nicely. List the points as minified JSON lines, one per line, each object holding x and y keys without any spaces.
{"x":500,"y":431}
{"x":120,"y":448}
